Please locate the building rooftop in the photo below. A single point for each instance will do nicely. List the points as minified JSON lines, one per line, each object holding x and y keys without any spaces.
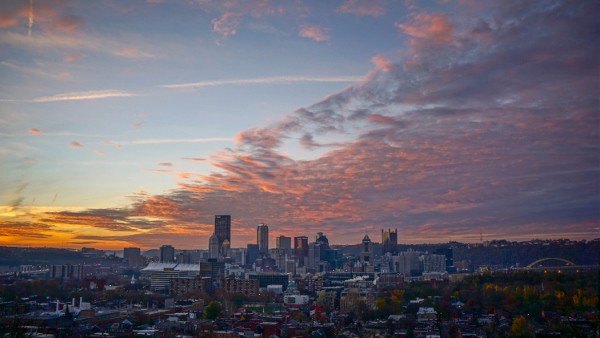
{"x":154,"y":266}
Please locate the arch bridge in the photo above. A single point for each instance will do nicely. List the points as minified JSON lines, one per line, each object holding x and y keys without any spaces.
{"x":567,"y":262}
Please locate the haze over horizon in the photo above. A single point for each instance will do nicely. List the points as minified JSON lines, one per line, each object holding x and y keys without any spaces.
{"x":133,"y":124}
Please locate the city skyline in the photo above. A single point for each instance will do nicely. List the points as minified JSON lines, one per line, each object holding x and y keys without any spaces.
{"x":135,"y":124}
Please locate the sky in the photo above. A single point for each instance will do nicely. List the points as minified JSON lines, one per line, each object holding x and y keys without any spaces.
{"x":133,"y":123}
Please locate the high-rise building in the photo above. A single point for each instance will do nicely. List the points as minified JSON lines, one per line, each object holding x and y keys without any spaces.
{"x":434,"y":263}
{"x":366,"y":256}
{"x":301,"y":249}
{"x":389,"y":241}
{"x":167,"y":254}
{"x":133,"y":257}
{"x":251,"y":254}
{"x":226,"y":248}
{"x":447,"y":252}
{"x":314,"y":255}
{"x":223,"y":229}
{"x":283,"y":242}
{"x":131,"y":252}
{"x":213,"y":246}
{"x":262,"y":238}
{"x":184,"y":257}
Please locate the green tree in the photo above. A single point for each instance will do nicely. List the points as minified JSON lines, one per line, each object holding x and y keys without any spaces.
{"x":212,"y":310}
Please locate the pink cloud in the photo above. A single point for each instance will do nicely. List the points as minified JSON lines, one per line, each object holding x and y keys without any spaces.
{"x":35,"y":131}
{"x":429,"y":27}
{"x":72,"y":57}
{"x":313,"y":32}
{"x":362,"y":8}
{"x":227,"y":24}
{"x":382,"y":63}
{"x":112,"y":144}
{"x":99,"y":152}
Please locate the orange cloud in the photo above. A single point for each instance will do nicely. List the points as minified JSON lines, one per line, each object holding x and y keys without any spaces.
{"x":7,"y":21}
{"x":35,"y":131}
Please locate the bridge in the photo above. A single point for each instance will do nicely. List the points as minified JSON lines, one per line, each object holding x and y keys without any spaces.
{"x":542,"y":260}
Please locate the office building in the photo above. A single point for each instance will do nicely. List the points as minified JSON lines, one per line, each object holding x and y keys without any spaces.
{"x":407,"y":263}
{"x":67,"y":271}
{"x":184,"y":257}
{"x":366,"y":255}
{"x":270,"y":278}
{"x":448,"y":253}
{"x":252,"y":254}
{"x":167,"y":254}
{"x":301,"y":249}
{"x":133,"y":257}
{"x":247,"y":287}
{"x":389,"y":241}
{"x":188,"y":285}
{"x":314,"y":256}
{"x":161,"y":274}
{"x":283,"y":242}
{"x":262,"y":238}
{"x":434,"y":263}
{"x":214,"y":248}
{"x":223,"y":229}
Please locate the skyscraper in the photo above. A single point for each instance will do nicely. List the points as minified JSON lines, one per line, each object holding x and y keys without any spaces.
{"x":389,"y":241}
{"x":213,"y":246}
{"x":223,"y":229}
{"x":262,"y":238}
{"x":314,"y":255}
{"x":283,"y":242}
{"x":301,"y":248}
{"x":167,"y":254}
{"x":133,"y":256}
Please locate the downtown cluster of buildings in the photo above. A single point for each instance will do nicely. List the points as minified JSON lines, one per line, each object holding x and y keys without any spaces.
{"x":259,"y":266}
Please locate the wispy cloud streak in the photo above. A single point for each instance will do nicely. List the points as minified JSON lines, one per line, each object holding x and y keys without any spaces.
{"x":87,"y":95}
{"x":265,"y":80}
{"x":181,"y":140}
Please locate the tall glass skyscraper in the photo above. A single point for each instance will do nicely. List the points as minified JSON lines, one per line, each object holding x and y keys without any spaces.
{"x":223,"y":229}
{"x":262,"y":238}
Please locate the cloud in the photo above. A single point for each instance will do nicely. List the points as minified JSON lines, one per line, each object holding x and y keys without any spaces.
{"x":133,"y":53}
{"x":382,"y":63}
{"x":112,"y":144}
{"x":264,"y":80}
{"x":36,"y":71}
{"x":194,"y":159}
{"x":179,"y":140}
{"x":88,"y":95}
{"x":372,"y":8}
{"x":231,"y":14}
{"x":18,"y":229}
{"x":429,"y":27}
{"x":165,"y":164}
{"x":75,"y":144}
{"x":227,"y":24}
{"x":455,"y":136}
{"x":313,"y":32}
{"x":35,"y":131}
{"x":72,"y":57}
